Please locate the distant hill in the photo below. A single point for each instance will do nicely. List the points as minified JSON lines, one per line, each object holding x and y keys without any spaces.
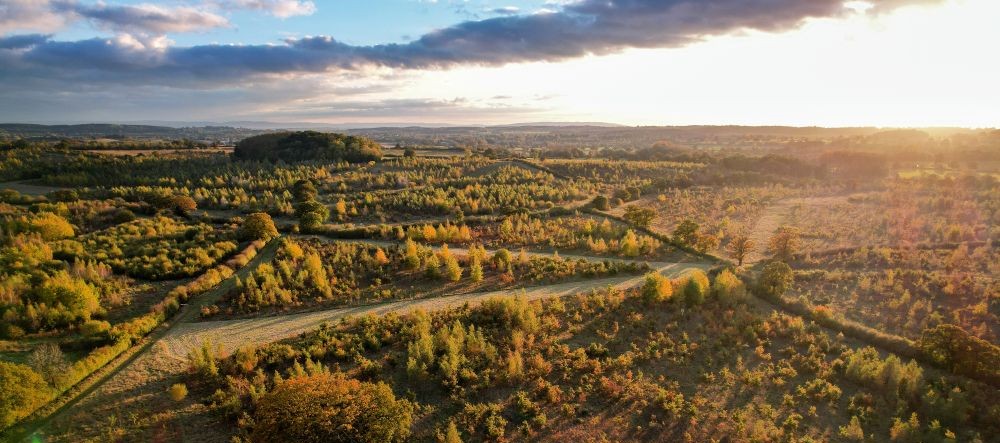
{"x":119,"y":131}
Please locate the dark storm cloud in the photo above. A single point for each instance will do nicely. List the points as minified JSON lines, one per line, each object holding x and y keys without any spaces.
{"x":23,"y":41}
{"x":577,"y":29}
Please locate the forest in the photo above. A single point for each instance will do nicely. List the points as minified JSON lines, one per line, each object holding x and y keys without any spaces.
{"x":501,"y":284}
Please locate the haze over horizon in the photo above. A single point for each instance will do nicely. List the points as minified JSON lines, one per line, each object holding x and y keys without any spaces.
{"x":890,"y":63}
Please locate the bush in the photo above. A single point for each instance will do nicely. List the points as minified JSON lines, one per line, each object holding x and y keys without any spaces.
{"x":178,"y":392}
{"x":328,"y":408}
{"x":92,"y":328}
{"x":21,"y":392}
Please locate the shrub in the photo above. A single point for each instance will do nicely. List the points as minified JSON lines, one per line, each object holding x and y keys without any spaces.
{"x":21,"y":392}
{"x":52,"y":227}
{"x":328,"y":407}
{"x":178,"y":392}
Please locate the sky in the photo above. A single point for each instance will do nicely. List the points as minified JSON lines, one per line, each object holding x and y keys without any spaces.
{"x":901,"y":63}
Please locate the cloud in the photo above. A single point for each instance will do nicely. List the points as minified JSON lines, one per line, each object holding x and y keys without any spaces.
{"x":142,"y":18}
{"x":51,"y":15}
{"x":277,"y":8}
{"x":577,"y":29}
{"x":506,"y":10}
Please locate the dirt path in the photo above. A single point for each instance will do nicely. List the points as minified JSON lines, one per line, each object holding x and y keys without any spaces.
{"x":140,"y":386}
{"x":26,"y":188}
{"x":230,"y":335}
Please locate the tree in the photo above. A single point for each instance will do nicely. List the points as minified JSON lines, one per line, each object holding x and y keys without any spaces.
{"x":331,"y":408}
{"x":601,"y":203}
{"x":656,"y":288}
{"x":49,"y":362}
{"x":638,"y":216}
{"x":411,"y":255}
{"x":380,"y":257}
{"x":695,"y":288}
{"x":183,"y":205}
{"x":432,"y":266}
{"x":451,"y":434}
{"x":304,"y":190}
{"x":476,"y":269}
{"x":706,"y":242}
{"x":686,"y":233}
{"x":853,"y":430}
{"x":312,"y":214}
{"x":775,"y":279}
{"x":784,"y":243}
{"x":728,"y":288}
{"x":21,"y":392}
{"x":452,"y":269}
{"x":409,"y":152}
{"x":258,"y":226}
{"x":740,"y":247}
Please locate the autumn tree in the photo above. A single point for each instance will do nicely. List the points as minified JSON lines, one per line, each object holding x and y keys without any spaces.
{"x":639,"y":216}
{"x":784,"y":243}
{"x":695,"y":288}
{"x":656,"y":288}
{"x":740,"y":246}
{"x":258,"y":226}
{"x":328,"y":407}
{"x":183,"y":205}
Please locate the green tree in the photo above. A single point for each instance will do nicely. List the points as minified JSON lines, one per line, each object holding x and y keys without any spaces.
{"x":639,"y":216}
{"x":695,"y":288}
{"x":686,"y":233}
{"x":775,"y":279}
{"x":328,"y":407}
{"x":601,"y":203}
{"x":311,"y":214}
{"x":258,"y":226}
{"x":476,"y":269}
{"x":656,"y":288}
{"x":304,"y":190}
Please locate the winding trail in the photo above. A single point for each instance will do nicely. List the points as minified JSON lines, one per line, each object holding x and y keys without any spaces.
{"x":139,"y":384}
